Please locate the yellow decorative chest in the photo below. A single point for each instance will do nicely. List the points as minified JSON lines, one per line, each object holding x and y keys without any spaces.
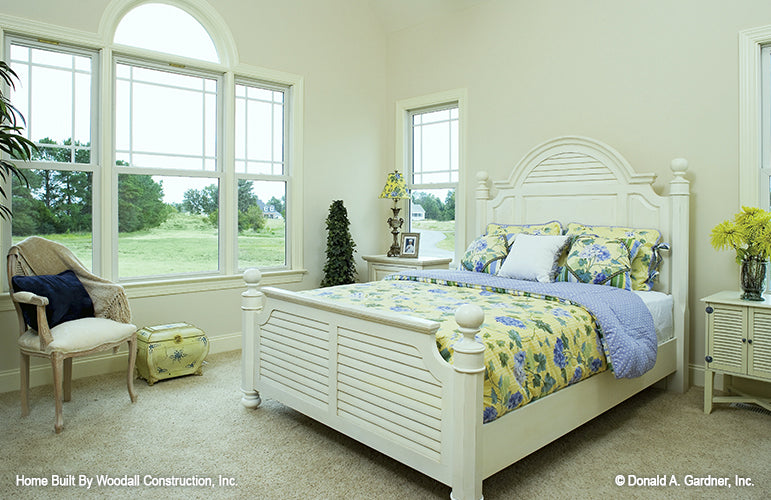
{"x":167,"y":351}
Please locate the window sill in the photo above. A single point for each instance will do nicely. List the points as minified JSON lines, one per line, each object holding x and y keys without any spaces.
{"x":156,"y":288}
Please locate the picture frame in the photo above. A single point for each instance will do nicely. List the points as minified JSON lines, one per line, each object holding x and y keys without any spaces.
{"x":410,"y":245}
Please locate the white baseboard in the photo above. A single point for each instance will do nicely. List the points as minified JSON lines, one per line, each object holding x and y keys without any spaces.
{"x":100,"y":364}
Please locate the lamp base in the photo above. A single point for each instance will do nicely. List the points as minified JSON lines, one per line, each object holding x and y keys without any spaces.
{"x":395,"y":223}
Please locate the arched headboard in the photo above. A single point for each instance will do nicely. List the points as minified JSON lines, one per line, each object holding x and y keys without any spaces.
{"x":578,"y":179}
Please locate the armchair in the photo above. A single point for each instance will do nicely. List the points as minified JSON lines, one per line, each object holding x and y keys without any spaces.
{"x":64,"y":312}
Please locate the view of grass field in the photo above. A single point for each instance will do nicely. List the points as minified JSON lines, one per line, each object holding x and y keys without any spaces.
{"x":183,"y":244}
{"x":187,"y":243}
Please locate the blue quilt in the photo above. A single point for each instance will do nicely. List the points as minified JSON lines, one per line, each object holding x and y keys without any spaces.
{"x":628,"y":334}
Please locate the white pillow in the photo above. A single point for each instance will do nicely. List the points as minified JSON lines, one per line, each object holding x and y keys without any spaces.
{"x":533,"y":257}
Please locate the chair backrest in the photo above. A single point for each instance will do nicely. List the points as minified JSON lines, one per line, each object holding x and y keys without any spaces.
{"x":13,"y":270}
{"x":49,"y":257}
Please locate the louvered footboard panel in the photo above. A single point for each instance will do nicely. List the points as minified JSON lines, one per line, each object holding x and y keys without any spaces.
{"x":294,"y":354}
{"x":386,"y":388}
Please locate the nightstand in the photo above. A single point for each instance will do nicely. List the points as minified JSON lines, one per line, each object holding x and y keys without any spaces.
{"x":378,"y":266}
{"x":738,"y":344}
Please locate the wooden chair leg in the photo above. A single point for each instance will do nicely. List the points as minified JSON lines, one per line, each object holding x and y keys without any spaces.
{"x":132,"y":352}
{"x":24,"y":386}
{"x":57,"y":363}
{"x":67,"y":378}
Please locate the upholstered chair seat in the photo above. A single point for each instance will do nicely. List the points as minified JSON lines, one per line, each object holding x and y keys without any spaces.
{"x":79,"y":335}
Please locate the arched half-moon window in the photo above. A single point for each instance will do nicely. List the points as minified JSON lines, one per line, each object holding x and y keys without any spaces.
{"x":165,"y":28}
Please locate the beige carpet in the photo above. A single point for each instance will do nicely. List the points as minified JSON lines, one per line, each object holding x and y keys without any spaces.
{"x":196,"y":426}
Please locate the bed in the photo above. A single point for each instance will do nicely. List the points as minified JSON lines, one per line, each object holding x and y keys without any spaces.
{"x":379,"y":378}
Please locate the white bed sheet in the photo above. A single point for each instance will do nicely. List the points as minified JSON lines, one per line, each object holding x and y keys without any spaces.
{"x":660,"y":305}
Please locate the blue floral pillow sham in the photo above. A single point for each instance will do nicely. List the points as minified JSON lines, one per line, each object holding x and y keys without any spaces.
{"x":600,"y":261}
{"x":645,"y":262}
{"x":485,"y":254}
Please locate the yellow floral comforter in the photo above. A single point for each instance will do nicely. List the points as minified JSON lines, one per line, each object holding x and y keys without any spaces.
{"x":533,"y":346}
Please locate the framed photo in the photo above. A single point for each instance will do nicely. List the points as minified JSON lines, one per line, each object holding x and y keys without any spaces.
{"x":410,"y":242}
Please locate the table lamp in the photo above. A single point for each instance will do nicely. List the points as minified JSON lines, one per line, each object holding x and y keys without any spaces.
{"x":395,"y":189}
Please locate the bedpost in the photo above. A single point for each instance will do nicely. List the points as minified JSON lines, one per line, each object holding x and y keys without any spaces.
{"x":679,"y":192}
{"x":482,"y":196}
{"x":469,"y":365}
{"x":251,"y":305}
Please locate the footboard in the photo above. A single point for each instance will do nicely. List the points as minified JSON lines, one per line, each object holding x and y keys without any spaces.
{"x":374,"y":377}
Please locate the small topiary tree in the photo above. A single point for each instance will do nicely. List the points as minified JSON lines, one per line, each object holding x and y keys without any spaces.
{"x":340,"y":268}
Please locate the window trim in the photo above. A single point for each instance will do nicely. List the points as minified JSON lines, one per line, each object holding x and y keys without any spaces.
{"x":105,"y":179}
{"x":402,"y":150}
{"x":751,"y":44}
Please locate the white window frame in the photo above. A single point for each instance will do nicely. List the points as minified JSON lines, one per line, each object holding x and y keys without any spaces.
{"x":286,"y":165}
{"x":754,"y":168}
{"x":216,"y":174}
{"x":403,"y":140}
{"x":93,"y":166}
{"x":105,"y":176}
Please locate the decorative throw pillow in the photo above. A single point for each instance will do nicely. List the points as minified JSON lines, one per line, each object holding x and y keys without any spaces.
{"x":598,"y":260}
{"x":533,"y":258}
{"x":485,"y":254}
{"x":67,"y":298}
{"x":511,"y":230}
{"x":645,"y":262}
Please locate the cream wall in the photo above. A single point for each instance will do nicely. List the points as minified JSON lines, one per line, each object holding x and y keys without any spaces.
{"x":338,"y":48}
{"x":655,"y":79}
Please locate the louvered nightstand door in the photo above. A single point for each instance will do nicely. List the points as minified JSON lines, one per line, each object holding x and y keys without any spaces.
{"x":738,"y":339}
{"x":726,"y":340}
{"x":759,"y":347}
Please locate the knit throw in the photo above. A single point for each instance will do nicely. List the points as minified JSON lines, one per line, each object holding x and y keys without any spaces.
{"x":39,"y":256}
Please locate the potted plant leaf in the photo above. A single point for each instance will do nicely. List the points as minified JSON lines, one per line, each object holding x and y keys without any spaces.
{"x":12,"y":142}
{"x":749,"y":234}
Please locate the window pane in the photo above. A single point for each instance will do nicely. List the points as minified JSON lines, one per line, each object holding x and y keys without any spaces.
{"x":54,"y":95}
{"x":259,"y":130}
{"x":432,"y":214}
{"x":156,"y":235}
{"x":57,"y":205}
{"x":261,"y":224}
{"x":165,"y":120}
{"x":147,"y":26}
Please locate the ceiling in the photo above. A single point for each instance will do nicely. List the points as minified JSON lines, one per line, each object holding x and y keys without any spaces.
{"x":396,"y":15}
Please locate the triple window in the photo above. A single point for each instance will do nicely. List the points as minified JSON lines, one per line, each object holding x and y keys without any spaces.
{"x":195,"y":185}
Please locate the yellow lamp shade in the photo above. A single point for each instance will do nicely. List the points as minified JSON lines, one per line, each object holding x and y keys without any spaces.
{"x":395,"y":187}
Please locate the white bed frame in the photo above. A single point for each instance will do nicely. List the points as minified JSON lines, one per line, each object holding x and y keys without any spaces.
{"x":380,"y":379}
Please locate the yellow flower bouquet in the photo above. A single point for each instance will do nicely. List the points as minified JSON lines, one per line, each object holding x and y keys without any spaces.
{"x":749,"y":234}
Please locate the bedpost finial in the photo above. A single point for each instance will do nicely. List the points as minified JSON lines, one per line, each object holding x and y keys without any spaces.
{"x":679,"y":166}
{"x":469,"y":354}
{"x":252,"y":276}
{"x":483,"y":188}
{"x":469,"y":318}
{"x":251,"y":298}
